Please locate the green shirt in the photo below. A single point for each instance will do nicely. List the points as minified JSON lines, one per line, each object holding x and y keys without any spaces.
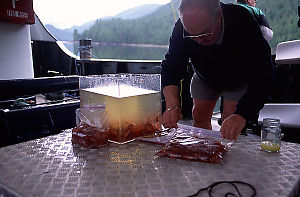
{"x":257,"y":13}
{"x":253,"y":10}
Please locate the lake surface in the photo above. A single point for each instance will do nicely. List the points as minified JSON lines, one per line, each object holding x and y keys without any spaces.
{"x":113,"y":51}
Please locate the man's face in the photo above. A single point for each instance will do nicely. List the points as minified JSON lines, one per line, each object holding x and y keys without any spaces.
{"x":198,"y":21}
{"x":251,"y":2}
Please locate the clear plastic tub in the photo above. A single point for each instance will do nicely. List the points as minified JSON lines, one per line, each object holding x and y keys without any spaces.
{"x":133,"y":103}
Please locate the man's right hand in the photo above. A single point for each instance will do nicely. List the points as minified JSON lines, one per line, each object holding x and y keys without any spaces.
{"x":170,"y":117}
{"x":173,"y":113}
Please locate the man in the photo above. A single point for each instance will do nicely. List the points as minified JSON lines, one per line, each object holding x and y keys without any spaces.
{"x":259,"y":17}
{"x":230,"y":57}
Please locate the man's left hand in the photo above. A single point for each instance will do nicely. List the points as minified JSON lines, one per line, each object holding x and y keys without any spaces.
{"x":232,"y":126}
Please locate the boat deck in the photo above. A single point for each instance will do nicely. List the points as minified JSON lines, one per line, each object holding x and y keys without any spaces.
{"x":53,"y":166}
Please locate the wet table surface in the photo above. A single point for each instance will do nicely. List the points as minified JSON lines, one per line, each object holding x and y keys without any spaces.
{"x":53,"y":166}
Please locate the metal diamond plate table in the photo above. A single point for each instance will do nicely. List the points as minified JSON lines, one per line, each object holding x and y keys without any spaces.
{"x":53,"y":166}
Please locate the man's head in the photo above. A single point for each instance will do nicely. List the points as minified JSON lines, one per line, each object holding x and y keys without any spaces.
{"x":201,"y":20}
{"x":249,"y":2}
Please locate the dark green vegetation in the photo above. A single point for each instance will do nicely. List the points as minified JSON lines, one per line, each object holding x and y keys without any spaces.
{"x":282,"y":16}
{"x":151,"y":29}
{"x":157,"y":27}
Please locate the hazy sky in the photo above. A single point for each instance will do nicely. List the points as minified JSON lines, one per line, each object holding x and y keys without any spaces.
{"x":66,"y":13}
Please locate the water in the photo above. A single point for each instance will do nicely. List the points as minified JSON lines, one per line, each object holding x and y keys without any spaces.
{"x":119,"y":91}
{"x":113,"y":51}
{"x":133,"y":112}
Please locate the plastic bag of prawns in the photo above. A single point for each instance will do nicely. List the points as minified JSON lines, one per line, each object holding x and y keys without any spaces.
{"x":91,"y":126}
{"x":194,"y":146}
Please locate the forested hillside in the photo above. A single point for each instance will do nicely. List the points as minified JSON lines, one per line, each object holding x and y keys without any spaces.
{"x":151,"y":29}
{"x":282,"y":16}
{"x":156,"y":27}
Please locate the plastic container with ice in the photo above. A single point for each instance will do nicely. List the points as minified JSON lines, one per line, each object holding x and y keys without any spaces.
{"x":133,"y":103}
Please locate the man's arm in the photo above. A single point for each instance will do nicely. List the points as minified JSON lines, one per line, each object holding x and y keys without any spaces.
{"x":258,"y":74}
{"x":267,"y":32}
{"x":172,"y":114}
{"x":172,"y":71}
{"x":265,"y":27}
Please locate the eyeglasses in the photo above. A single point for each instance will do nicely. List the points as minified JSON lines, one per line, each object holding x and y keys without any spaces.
{"x":200,"y":35}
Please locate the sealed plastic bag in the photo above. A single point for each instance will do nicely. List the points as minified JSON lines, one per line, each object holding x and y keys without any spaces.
{"x":160,"y":137}
{"x":92,"y":126}
{"x":190,"y":146}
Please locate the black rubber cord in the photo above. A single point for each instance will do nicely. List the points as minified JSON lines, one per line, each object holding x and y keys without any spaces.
{"x":228,"y":194}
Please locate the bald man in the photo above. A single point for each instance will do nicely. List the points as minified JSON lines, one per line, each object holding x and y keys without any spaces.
{"x":230,"y":58}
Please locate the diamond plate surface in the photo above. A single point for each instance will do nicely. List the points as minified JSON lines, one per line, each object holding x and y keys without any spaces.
{"x":52,"y":166}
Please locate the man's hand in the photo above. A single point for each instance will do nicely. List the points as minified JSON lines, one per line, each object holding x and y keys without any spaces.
{"x":170,"y":117}
{"x":173,"y":114}
{"x":232,"y":126}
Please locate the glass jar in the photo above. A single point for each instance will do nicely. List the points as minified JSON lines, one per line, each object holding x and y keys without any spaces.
{"x":271,"y":135}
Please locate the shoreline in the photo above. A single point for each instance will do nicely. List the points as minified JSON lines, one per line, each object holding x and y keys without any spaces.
{"x":121,"y":44}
